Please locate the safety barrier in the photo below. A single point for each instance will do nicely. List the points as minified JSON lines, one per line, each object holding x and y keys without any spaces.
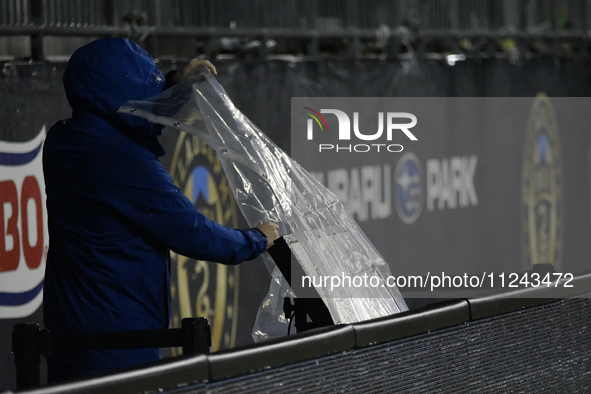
{"x":29,"y":342}
{"x":516,"y":341}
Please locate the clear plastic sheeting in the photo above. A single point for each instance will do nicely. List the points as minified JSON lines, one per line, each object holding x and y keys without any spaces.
{"x":270,"y":321}
{"x":269,"y":186}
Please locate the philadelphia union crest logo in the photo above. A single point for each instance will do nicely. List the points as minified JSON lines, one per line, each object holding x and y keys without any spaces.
{"x":201,"y":288}
{"x":541,"y":188}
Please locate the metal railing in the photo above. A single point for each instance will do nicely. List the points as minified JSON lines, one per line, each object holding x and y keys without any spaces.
{"x":352,"y":21}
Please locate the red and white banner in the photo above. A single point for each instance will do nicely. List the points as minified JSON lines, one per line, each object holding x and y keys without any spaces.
{"x":24,"y":238}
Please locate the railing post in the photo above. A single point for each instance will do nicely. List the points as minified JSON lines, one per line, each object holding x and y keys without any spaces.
{"x":455,"y":15}
{"x":110,"y":17}
{"x":196,"y":335}
{"x":38,"y":19}
{"x":26,"y":348}
{"x":312,"y":47}
{"x":152,"y":40}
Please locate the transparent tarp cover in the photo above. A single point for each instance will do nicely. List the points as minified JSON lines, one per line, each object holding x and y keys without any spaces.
{"x":269,"y":186}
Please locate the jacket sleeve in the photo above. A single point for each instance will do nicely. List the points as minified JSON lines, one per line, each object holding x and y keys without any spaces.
{"x":150,"y":200}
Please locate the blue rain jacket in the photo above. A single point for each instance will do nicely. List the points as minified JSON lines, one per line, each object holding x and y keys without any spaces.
{"x":114,"y":211}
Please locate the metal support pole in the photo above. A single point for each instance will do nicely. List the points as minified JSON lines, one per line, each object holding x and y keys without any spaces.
{"x":583,"y":14}
{"x":312,"y":47}
{"x":355,"y":49}
{"x":37,"y":17}
{"x":152,"y":41}
{"x":37,"y":53}
{"x":27,"y":355}
{"x":196,"y":335}
{"x":264,"y":51}
{"x":109,"y":9}
{"x":455,"y":15}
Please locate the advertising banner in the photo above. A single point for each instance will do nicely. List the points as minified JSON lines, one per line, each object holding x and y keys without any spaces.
{"x":472,"y":189}
{"x":23,"y":236}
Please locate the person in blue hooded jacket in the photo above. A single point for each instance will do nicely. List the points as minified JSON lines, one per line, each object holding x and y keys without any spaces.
{"x":114,"y":212}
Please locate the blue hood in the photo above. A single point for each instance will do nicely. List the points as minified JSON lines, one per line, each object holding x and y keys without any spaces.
{"x":106,"y":73}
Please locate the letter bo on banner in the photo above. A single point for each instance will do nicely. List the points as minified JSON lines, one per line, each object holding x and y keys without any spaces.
{"x":9,"y":259}
{"x":23,"y":230}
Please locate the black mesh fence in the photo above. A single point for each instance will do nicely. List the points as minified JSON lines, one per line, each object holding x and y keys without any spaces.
{"x":542,"y":348}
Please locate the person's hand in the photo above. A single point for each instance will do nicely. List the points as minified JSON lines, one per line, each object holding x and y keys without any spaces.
{"x":189,"y":67}
{"x":271,"y":230}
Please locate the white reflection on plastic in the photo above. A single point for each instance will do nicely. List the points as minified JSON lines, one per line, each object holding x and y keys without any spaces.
{"x":269,"y":186}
